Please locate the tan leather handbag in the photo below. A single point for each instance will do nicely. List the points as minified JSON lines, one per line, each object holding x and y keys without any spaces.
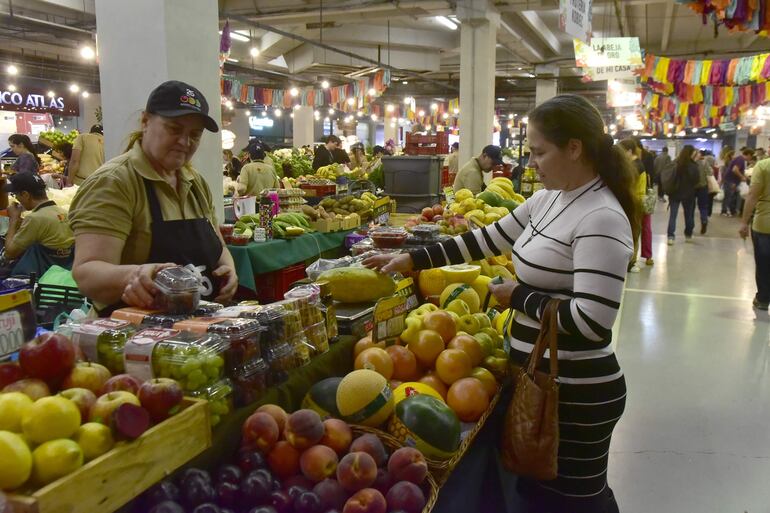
{"x":530,"y":440}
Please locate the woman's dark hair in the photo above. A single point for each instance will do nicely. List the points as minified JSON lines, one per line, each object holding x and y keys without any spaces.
{"x":378,"y":150}
{"x":256,"y":153}
{"x":97,"y":129}
{"x":684,"y":157}
{"x":630,"y":145}
{"x":334,"y":139}
{"x":569,"y":116}
{"x":26,"y":142}
{"x":66,"y":149}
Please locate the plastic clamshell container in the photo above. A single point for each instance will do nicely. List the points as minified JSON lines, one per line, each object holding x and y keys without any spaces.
{"x":132,"y":314}
{"x":220,"y":396}
{"x":426,"y":232}
{"x":388,"y":237}
{"x":301,"y":348}
{"x":197,"y":325}
{"x":317,"y":338}
{"x":162,"y":320}
{"x":246,"y":311}
{"x":207,"y":308}
{"x":280,"y":357}
{"x":243,"y":336}
{"x":250,"y":382}
{"x":102,"y":340}
{"x":226,"y":229}
{"x":272,"y":318}
{"x":307,"y":306}
{"x":178,"y":291}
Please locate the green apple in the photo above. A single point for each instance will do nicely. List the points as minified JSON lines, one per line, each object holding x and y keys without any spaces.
{"x":486,"y":343}
{"x":469,"y":324}
{"x":484,"y":321}
{"x":459,"y":307}
{"x":497,"y":339}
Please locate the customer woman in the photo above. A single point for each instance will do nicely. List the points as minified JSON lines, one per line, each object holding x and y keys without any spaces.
{"x":358,"y":157}
{"x":149,"y":208}
{"x":571,"y":241}
{"x":634,"y":152}
{"x":256,"y":176}
{"x":27,"y":160}
{"x":686,"y":177}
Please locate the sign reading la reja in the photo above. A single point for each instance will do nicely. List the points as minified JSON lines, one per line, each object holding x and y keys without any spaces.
{"x":35,"y":97}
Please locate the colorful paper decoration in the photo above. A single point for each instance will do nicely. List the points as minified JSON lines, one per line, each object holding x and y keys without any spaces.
{"x":723,"y":72}
{"x":736,"y":15}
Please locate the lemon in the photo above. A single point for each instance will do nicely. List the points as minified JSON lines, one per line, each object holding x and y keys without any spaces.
{"x":17,"y":461}
{"x":461,"y":273}
{"x":55,"y":459}
{"x":94,"y":439}
{"x":49,"y":418}
{"x":13,"y":405}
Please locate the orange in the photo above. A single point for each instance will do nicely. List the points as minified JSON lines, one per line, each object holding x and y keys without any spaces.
{"x":452,"y":364}
{"x":431,"y":282}
{"x":468,"y":398}
{"x":404,"y":363}
{"x":365,"y":343}
{"x":426,"y":347}
{"x":487,"y":379}
{"x":468,"y":345}
{"x":435,"y":383}
{"x":375,"y":359}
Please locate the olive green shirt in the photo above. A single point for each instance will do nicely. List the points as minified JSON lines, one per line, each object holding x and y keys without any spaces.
{"x":760,"y":185}
{"x":113,"y":201}
{"x":256,"y":177}
{"x":470,"y":177}
{"x":91,"y":148}
{"x":47,"y":225}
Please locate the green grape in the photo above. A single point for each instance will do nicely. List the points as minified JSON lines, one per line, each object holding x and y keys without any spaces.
{"x":212,"y":372}
{"x":197,"y":375}
{"x":216,"y":361}
{"x":215,"y":419}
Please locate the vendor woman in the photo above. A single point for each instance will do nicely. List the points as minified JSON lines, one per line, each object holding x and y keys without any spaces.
{"x":148,"y":208}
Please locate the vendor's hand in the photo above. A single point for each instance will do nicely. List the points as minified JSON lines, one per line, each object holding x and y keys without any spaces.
{"x":744,"y":231}
{"x":229,"y":282}
{"x":14,"y":211}
{"x":503,"y":291}
{"x":390,"y":263}
{"x":140,"y":289}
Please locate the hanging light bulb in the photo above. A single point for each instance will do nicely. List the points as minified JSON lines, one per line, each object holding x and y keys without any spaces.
{"x":74,"y":88}
{"x":278,"y":113}
{"x":331,"y":112}
{"x":390,"y":107}
{"x":254,"y":51}
{"x":264,"y":113}
{"x":12,"y":88}
{"x":456,"y":111}
{"x":51,"y":94}
{"x":374,"y":117}
{"x":421,"y":113}
{"x":12,"y":70}
{"x":294,"y":91}
{"x":325,"y":84}
{"x":87,"y":53}
{"x":445,"y":115}
{"x":360,"y":114}
{"x":434,"y":106}
{"x":372,"y":91}
{"x":229,"y":104}
{"x":510,"y":116}
{"x":351,"y":101}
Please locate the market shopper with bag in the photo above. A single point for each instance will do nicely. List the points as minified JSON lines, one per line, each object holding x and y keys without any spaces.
{"x":758,"y":203}
{"x":149,"y":208}
{"x":679,"y":180}
{"x":634,"y":152}
{"x":571,"y":241}
{"x":734,"y":175}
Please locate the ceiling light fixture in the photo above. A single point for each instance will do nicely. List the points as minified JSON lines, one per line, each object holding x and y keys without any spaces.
{"x":510,"y":116}
{"x":374,"y":117}
{"x":294,"y":91}
{"x":390,"y":108}
{"x":12,"y":70}
{"x":87,"y":53}
{"x":445,"y":115}
{"x":12,"y":88}
{"x":85,"y":94}
{"x":238,"y":36}
{"x":278,"y":113}
{"x":446,"y":22}
{"x":254,"y":51}
{"x":372,"y":91}
{"x":74,"y":88}
{"x":351,"y":101}
{"x":421,"y":113}
{"x":434,"y":106}
{"x":234,"y":61}
{"x":264,"y":113}
{"x":51,"y":94}
{"x":325,"y":84}
{"x":405,"y":82}
{"x":331,"y":112}
{"x":456,"y":111}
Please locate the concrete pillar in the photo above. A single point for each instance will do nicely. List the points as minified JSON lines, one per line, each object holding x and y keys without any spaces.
{"x":391,"y":127}
{"x":304,"y":124}
{"x":143,"y":43}
{"x":545,"y":89}
{"x":88,"y":107}
{"x":239,"y":125}
{"x":478,"y":35}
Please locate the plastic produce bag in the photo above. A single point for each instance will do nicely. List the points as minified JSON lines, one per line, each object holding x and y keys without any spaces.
{"x":743,"y":189}
{"x":315,"y":269}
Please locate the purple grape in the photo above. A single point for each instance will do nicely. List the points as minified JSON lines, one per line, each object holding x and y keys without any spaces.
{"x":166,"y":490}
{"x":264,"y":473}
{"x":193,"y":472}
{"x":254,"y":491}
{"x":229,"y":474}
{"x":281,"y":502}
{"x":207,"y":508}
{"x":276,"y":484}
{"x":227,"y":494}
{"x":197,"y":490}
{"x":307,"y":502}
{"x":295,"y":491}
{"x":249,"y":460}
{"x":263,"y":509}
{"x":167,"y":507}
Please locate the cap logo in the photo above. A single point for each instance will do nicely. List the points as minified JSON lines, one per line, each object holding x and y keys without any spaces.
{"x":189,"y":99}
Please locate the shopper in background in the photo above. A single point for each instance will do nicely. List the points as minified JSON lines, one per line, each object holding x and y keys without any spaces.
{"x":760,"y":154}
{"x":27,"y":160}
{"x":87,"y":155}
{"x":471,"y":176}
{"x":634,"y":152}
{"x":358,"y":157}
{"x":758,"y":203}
{"x":704,"y":193}
{"x":149,"y":208}
{"x":256,"y":176}
{"x":43,"y":238}
{"x":232,"y":164}
{"x":686,"y":176}
{"x":660,"y":163}
{"x":453,"y":159}
{"x":575,"y":237}
{"x":324,"y":154}
{"x":734,"y":174}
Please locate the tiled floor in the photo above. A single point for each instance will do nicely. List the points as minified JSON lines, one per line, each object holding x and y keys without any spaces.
{"x":696,"y":433}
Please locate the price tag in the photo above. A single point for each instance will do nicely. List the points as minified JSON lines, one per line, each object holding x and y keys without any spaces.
{"x":389,"y":319}
{"x":11,"y":332}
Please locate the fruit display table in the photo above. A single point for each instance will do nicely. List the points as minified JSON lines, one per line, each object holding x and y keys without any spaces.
{"x":264,"y":257}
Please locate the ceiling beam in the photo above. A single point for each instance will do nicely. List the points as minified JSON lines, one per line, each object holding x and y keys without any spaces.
{"x":549,"y":5}
{"x":541,"y":29}
{"x":516,"y":34}
{"x":668,"y":25}
{"x":415,"y":8}
{"x":397,"y":37}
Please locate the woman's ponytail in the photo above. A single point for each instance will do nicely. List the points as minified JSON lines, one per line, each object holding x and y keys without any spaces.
{"x":25,"y":141}
{"x":620,"y":177}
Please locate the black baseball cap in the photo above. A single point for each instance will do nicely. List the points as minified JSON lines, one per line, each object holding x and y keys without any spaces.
{"x":29,"y":182}
{"x":494,"y":153}
{"x":173,"y":99}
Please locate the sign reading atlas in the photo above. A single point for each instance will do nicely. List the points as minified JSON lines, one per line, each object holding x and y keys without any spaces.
{"x":34,"y":97}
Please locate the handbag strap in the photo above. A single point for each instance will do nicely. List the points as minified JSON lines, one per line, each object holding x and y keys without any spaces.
{"x":548,"y":338}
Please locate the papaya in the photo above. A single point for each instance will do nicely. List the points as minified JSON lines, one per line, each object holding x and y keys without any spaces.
{"x":491,"y":198}
{"x":428,"y":424}
{"x":511,"y":205}
{"x":358,"y":284}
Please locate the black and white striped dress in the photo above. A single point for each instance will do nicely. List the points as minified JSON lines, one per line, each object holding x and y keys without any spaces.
{"x":573,"y":245}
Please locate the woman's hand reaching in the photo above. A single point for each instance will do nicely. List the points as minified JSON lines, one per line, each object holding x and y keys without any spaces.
{"x":502,"y":291}
{"x":390,"y":263}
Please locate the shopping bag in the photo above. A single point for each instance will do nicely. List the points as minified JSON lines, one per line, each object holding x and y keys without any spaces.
{"x":649,"y":201}
{"x":743,"y":189}
{"x":712,"y":184}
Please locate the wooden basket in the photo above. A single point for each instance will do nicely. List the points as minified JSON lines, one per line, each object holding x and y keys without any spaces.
{"x":391,"y":444}
{"x":441,"y":469}
{"x":117,"y":477}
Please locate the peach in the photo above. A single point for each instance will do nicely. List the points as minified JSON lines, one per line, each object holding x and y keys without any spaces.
{"x":408,"y":464}
{"x":357,"y":470}
{"x":367,"y":500}
{"x":371,"y":445}
{"x":333,"y":496}
{"x":278,"y":413}
{"x":283,"y":460}
{"x":304,"y":429}
{"x":318,"y":463}
{"x":337,"y":435}
{"x":406,"y":497}
{"x":260,"y":431}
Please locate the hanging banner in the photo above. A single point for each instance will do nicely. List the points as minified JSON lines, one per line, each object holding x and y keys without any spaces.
{"x":611,"y":72}
{"x":608,"y":51}
{"x":575,"y":18}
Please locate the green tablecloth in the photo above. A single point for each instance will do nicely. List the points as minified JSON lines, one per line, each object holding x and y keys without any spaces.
{"x":265,"y":257}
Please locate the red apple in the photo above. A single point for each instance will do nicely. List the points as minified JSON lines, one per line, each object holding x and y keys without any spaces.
{"x":49,"y":357}
{"x":427,"y":212}
{"x":33,"y":388}
{"x":426,"y":219}
{"x":161,"y":397}
{"x":10,"y":372}
{"x":438,"y":210}
{"x":87,"y":375}
{"x":83,"y":398}
{"x":125,"y":382}
{"x":105,"y":404}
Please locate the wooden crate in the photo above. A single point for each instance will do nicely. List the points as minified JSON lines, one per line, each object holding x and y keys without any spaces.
{"x":115,"y":478}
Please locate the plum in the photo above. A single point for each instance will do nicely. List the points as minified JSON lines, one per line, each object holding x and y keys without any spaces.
{"x":406,"y":496}
{"x":207,"y":508}
{"x":331,"y":493}
{"x":166,"y":490}
{"x":167,"y":507}
{"x":228,"y":474}
{"x":249,"y":460}
{"x":254,"y":490}
{"x":263,"y":509}
{"x":307,"y":502}
{"x":197,"y":490}
{"x":227,"y":494}
{"x":281,"y":501}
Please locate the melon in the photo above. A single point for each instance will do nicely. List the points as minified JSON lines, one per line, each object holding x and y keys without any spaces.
{"x":461,"y":273}
{"x":364,"y":397}
{"x":322,"y":398}
{"x":464,"y":292}
{"x":427,"y":424}
{"x":410,"y":388}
